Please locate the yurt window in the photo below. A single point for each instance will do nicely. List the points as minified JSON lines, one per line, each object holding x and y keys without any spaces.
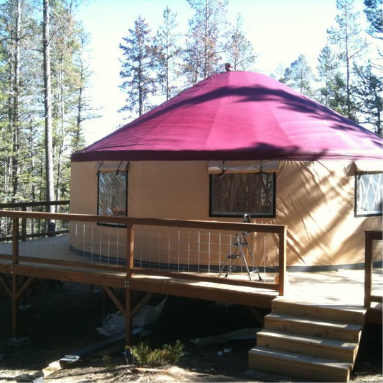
{"x":236,"y":194}
{"x":112,"y":193}
{"x":369,"y":194}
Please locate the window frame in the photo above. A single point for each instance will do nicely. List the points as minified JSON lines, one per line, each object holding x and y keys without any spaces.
{"x":274,"y":196}
{"x":126,"y":199}
{"x":356,"y":214}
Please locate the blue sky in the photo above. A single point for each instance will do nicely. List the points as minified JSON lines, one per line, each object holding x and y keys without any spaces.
{"x":280,"y":31}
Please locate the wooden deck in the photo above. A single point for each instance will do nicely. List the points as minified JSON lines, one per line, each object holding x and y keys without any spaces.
{"x":64,"y":265}
{"x":336,"y":288}
{"x":297,"y":300}
{"x":51,"y":258}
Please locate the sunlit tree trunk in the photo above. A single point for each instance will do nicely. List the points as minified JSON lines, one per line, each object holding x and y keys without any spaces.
{"x":48,"y":105}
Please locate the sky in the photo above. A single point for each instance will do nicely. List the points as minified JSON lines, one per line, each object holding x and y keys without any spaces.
{"x":280,"y":30}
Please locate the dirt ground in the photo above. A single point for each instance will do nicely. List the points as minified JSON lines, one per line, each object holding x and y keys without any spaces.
{"x":62,"y":318}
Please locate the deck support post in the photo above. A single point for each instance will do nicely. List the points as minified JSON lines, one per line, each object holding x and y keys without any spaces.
{"x":15,"y":255}
{"x":128,"y":292}
{"x":282,"y":261}
{"x":14,"y":307}
{"x":128,"y":316}
{"x":367,"y":268}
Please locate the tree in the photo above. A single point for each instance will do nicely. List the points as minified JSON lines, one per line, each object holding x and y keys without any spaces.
{"x":368,"y":91}
{"x":137,"y":67}
{"x":16,"y":56}
{"x":48,"y":104}
{"x":167,"y":53}
{"x":28,"y":70}
{"x":240,"y":52}
{"x":279,"y":73}
{"x":327,"y":70}
{"x":373,"y":10}
{"x":299,"y":75}
{"x":346,"y":37}
{"x":337,"y":96}
{"x":205,"y":40}
{"x":83,"y":109}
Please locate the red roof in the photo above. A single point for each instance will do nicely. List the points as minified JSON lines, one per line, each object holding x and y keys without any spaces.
{"x":237,"y":116}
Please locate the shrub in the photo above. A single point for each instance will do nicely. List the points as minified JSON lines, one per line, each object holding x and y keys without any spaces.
{"x":145,"y":356}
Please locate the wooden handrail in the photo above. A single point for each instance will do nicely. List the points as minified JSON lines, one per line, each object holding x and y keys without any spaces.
{"x":370,"y":236}
{"x":32,"y":204}
{"x":131,"y":222}
{"x":25,"y":206}
{"x":194,"y":224}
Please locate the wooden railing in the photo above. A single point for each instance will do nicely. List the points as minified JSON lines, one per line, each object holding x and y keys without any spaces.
{"x":42,"y":230}
{"x":132,"y":223}
{"x":370,"y":236}
{"x":23,"y":206}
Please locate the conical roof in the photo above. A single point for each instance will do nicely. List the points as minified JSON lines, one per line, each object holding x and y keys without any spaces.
{"x":237,"y":116}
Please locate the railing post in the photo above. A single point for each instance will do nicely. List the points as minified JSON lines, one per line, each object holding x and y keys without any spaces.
{"x":130,"y":249}
{"x":129,"y":268}
{"x":282,"y":261}
{"x":15,"y":240}
{"x":24,"y":226}
{"x":367,"y":268}
{"x":15,"y":261}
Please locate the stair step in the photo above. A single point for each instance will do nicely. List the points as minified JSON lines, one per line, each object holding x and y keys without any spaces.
{"x":308,"y":345}
{"x":347,"y":314}
{"x":314,"y":327}
{"x":310,"y":368}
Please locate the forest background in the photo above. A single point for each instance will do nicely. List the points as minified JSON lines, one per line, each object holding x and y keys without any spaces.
{"x":45,"y":77}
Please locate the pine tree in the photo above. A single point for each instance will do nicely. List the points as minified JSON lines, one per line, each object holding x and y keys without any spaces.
{"x":167,"y":54}
{"x":23,"y":101}
{"x":205,"y":40}
{"x":373,"y":10}
{"x":48,"y":104}
{"x":240,"y":52}
{"x":137,"y":68}
{"x":15,"y":78}
{"x":299,"y":76}
{"x":337,"y":96}
{"x":83,"y":109}
{"x":279,"y":73}
{"x":65,"y":81}
{"x":327,"y":70}
{"x":346,"y":37}
{"x":368,"y":92}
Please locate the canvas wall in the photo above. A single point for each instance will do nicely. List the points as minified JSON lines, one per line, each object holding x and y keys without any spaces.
{"x":314,"y":199}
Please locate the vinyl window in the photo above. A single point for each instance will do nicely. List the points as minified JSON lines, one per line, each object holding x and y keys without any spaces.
{"x":112,"y":194}
{"x":236,"y":194}
{"x":368,"y":194}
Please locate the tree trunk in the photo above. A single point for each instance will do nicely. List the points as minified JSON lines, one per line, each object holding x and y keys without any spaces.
{"x":48,"y":106}
{"x":60,"y":144}
{"x":15,"y":106}
{"x":79,"y":118}
{"x":48,"y":114}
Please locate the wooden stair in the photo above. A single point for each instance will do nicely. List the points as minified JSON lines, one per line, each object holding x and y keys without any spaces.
{"x":307,"y":341}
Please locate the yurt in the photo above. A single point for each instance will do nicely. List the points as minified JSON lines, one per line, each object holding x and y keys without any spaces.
{"x":235,"y":143}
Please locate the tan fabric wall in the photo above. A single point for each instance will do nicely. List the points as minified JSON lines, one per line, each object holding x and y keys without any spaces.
{"x":314,"y":199}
